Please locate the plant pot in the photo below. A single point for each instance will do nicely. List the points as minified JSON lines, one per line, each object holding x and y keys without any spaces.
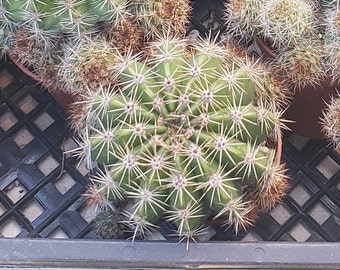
{"x":307,"y":104}
{"x":63,"y":98}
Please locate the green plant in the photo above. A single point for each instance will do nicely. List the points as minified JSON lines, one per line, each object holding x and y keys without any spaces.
{"x":110,"y":224}
{"x":34,"y":32}
{"x":49,"y":18}
{"x":182,"y":136}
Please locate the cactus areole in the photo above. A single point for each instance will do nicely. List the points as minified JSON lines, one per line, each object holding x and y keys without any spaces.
{"x":184,"y":139}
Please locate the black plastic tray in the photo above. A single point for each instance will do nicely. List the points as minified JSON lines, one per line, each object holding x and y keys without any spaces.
{"x":37,"y":196}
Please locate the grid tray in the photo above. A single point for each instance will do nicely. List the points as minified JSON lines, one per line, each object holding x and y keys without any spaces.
{"x":40,"y":186}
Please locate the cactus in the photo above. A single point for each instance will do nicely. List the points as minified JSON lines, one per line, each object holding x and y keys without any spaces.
{"x":244,"y":18}
{"x":330,"y":121}
{"x":158,"y":16}
{"x":303,"y":36}
{"x":88,"y":63}
{"x":33,"y":32}
{"x":62,"y":16}
{"x":184,"y":139}
{"x":303,"y":64}
{"x":285,"y":22}
{"x":111,"y":225}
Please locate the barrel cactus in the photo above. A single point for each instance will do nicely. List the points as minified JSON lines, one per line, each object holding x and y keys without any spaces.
{"x":182,"y":136}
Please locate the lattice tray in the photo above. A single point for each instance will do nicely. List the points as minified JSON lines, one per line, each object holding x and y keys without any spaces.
{"x":40,"y":186}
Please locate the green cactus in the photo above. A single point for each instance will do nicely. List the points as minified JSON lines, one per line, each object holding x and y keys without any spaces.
{"x":111,"y":225}
{"x":285,"y":22}
{"x":183,"y":139}
{"x":67,"y":16}
{"x":244,"y":18}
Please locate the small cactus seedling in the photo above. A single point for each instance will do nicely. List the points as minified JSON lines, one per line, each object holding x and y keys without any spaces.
{"x":111,"y":225}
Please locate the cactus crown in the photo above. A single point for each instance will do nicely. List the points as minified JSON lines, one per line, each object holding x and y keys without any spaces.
{"x":184,"y":137}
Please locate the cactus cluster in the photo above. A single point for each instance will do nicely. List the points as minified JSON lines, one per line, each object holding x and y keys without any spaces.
{"x":282,"y":22}
{"x":304,"y":34}
{"x":182,"y":137}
